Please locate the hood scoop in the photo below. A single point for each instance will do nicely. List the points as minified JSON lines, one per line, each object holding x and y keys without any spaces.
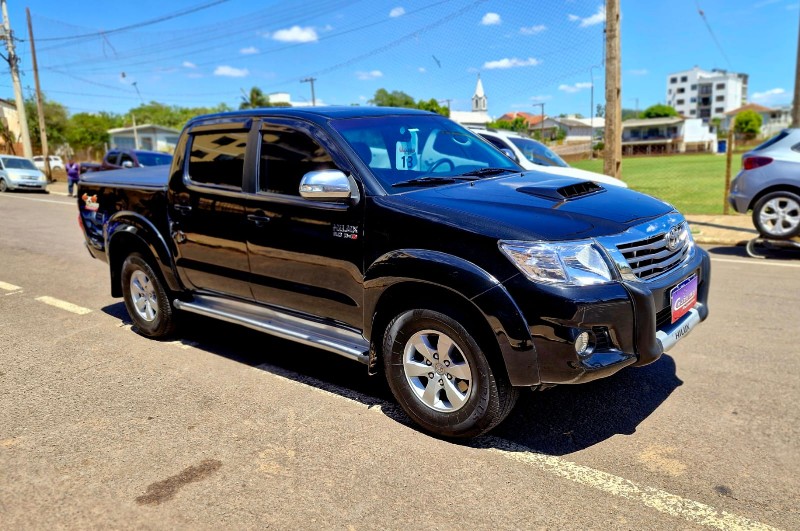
{"x":556,"y":190}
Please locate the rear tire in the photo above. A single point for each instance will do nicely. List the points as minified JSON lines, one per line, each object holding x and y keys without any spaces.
{"x":777,"y":215}
{"x":441,"y":377}
{"x":147,"y":301}
{"x":3,"y":186}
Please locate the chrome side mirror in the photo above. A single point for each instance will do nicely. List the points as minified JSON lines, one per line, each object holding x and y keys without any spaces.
{"x":326,"y":185}
{"x":127,"y":164}
{"x":510,"y":154}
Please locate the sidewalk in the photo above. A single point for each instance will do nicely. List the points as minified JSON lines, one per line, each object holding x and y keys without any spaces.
{"x":735,"y":229}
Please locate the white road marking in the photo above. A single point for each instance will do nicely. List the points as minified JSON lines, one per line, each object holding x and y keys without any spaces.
{"x":13,"y":196}
{"x":753,"y":261}
{"x":660,"y":500}
{"x":8,"y":287}
{"x":68,"y":306}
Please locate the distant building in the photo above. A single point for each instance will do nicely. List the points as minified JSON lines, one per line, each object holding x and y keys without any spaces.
{"x":285,"y":97}
{"x":532,"y":121}
{"x":577,"y":130}
{"x":10,"y":119}
{"x":478,"y":115}
{"x":772,"y":120}
{"x":706,"y":94}
{"x":672,"y":134}
{"x":151,"y":138}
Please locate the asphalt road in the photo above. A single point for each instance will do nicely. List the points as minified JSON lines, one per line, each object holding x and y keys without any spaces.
{"x":225,"y":427}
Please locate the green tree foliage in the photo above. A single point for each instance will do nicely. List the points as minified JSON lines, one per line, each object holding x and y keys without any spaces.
{"x":397,"y":98}
{"x":168,"y":115}
{"x":628,"y":114}
{"x":518,"y":125}
{"x":601,"y":110}
{"x":56,"y":119}
{"x":659,"y":111}
{"x":748,"y":123}
{"x":90,"y":131}
{"x":256,"y":99}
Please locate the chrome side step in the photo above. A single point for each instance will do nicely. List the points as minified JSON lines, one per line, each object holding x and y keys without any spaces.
{"x":346,"y":343}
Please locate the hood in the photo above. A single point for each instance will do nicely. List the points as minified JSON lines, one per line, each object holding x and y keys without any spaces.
{"x":533,"y":206}
{"x":19,"y":173}
{"x":582,"y":174}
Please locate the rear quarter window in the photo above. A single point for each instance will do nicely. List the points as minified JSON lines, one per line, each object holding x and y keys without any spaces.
{"x":774,"y":140}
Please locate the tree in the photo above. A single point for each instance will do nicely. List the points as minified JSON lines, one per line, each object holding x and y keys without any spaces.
{"x":254,"y":99}
{"x":168,"y":115}
{"x":627,"y":114}
{"x":396,"y":98}
{"x":433,"y":106}
{"x":518,"y":125}
{"x":748,"y":124}
{"x":55,"y":121}
{"x":601,"y":110}
{"x":89,"y":131}
{"x":659,"y":111}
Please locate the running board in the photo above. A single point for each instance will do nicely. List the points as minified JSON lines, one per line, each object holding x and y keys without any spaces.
{"x":346,"y":343}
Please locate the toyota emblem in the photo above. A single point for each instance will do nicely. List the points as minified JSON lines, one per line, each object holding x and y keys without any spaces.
{"x":673,"y":237}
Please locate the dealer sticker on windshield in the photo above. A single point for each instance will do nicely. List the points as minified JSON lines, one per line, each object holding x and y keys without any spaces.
{"x":683,"y":297}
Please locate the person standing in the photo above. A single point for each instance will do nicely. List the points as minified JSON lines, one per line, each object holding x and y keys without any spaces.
{"x":73,"y":175}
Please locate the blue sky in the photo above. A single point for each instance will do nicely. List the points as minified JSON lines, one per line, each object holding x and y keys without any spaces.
{"x":527,"y":52}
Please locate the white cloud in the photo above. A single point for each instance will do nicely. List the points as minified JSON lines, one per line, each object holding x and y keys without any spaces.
{"x":510,"y":63}
{"x":533,"y":30}
{"x":490,"y":19}
{"x":229,"y":71}
{"x":638,"y":72}
{"x":188,"y":64}
{"x":598,"y":18}
{"x":572,"y":89}
{"x":296,"y":34}
{"x":768,"y":95}
{"x":422,"y":70}
{"x":397,"y":12}
{"x":372,"y":74}
{"x":250,"y":50}
{"x":542,"y":97}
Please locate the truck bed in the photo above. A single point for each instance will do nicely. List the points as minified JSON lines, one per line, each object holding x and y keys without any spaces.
{"x":149,"y":177}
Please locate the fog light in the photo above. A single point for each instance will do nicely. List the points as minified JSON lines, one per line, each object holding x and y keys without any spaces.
{"x":583,"y":344}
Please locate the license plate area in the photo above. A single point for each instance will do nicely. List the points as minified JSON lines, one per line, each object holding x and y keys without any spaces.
{"x":683,"y":297}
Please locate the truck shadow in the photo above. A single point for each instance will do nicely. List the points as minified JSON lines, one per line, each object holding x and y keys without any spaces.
{"x":558,"y":421}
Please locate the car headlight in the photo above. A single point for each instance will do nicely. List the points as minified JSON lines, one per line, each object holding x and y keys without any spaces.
{"x":574,"y":263}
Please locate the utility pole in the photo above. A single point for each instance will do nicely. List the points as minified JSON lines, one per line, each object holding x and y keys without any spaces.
{"x":311,"y":80}
{"x":135,"y":134}
{"x":796,"y":102}
{"x":612,"y":164}
{"x":39,"y":103}
{"x":13,"y":63}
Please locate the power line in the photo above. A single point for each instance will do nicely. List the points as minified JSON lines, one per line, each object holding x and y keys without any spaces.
{"x":139,"y":24}
{"x":711,"y":32}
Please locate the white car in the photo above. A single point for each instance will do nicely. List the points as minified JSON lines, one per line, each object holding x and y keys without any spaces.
{"x":19,"y":173}
{"x":56,"y":163}
{"x":533,"y":155}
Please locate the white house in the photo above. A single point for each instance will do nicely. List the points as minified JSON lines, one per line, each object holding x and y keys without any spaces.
{"x":706,"y":94}
{"x":673,"y":134}
{"x":151,"y":138}
{"x":772,"y":119}
{"x":577,"y":130}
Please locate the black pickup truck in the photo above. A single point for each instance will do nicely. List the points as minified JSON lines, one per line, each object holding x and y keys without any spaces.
{"x":401,"y":240}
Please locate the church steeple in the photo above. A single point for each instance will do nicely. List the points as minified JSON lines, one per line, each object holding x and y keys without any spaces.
{"x":479,"y":99}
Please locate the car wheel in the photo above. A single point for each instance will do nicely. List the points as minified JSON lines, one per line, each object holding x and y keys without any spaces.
{"x":441,"y":377}
{"x":3,"y":186}
{"x":777,"y":215}
{"x":147,"y":301}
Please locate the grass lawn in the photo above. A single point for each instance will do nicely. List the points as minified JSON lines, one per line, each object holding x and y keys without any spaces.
{"x":694,"y":184}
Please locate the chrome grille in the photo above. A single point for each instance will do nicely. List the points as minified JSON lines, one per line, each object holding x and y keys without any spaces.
{"x":651,"y":257}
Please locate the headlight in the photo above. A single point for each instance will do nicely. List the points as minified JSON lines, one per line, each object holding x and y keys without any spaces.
{"x":575,"y":263}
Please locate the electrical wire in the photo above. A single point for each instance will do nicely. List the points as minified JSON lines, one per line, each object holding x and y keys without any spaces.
{"x":713,"y":36}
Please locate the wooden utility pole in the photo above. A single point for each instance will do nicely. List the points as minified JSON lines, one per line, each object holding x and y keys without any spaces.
{"x":13,"y":63}
{"x":39,"y":103}
{"x":311,"y":80}
{"x":796,"y":102}
{"x":728,"y":156}
{"x":612,"y":163}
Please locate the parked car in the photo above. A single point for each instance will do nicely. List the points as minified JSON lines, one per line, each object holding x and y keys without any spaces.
{"x":133,"y":158}
{"x":56,"y":163}
{"x":769,"y":185}
{"x":19,"y":173}
{"x":533,"y":155}
{"x":400,"y":240}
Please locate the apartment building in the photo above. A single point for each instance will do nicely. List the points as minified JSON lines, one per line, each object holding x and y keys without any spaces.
{"x":706,"y":94}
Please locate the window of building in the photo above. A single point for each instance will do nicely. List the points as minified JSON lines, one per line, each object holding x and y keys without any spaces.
{"x":679,"y":102}
{"x":694,"y":87}
{"x":683,"y":79}
{"x":720,"y":98}
{"x":673,"y":80}
{"x":720,"y":86}
{"x":719,"y":110}
{"x":693,"y":112}
{"x":286,"y":155}
{"x":217,"y":158}
{"x":693,"y":100}
{"x":681,"y":90}
{"x":669,"y":91}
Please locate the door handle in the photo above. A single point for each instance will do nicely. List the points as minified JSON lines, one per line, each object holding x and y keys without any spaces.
{"x":258,"y":221}
{"x":183,"y":209}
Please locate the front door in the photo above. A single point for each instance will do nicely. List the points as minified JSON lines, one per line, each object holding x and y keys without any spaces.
{"x":304,"y":255}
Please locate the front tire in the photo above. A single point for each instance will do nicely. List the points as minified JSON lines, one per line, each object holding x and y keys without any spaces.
{"x":441,"y":377}
{"x":147,"y":301}
{"x":777,"y":215}
{"x":3,"y":186}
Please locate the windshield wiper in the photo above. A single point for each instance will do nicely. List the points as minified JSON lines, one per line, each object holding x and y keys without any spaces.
{"x":434,"y":180}
{"x":485,"y":172}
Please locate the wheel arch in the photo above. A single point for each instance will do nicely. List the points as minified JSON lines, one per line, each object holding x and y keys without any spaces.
{"x":774,"y":188}
{"x":402,"y":280}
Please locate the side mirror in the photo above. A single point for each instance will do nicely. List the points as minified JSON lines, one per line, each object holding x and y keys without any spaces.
{"x":510,"y":154}
{"x":326,"y":185}
{"x":127,"y":164}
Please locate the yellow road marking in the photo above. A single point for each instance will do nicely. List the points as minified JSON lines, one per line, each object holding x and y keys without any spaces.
{"x":8,"y":287}
{"x":68,"y":306}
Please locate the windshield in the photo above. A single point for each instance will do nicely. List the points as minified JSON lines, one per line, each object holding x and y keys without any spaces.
{"x":404,"y":149}
{"x":154,"y":159}
{"x":538,"y":153}
{"x":18,"y":164}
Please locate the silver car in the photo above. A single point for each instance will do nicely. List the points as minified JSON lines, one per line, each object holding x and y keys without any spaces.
{"x":769,"y":185}
{"x":19,"y":173}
